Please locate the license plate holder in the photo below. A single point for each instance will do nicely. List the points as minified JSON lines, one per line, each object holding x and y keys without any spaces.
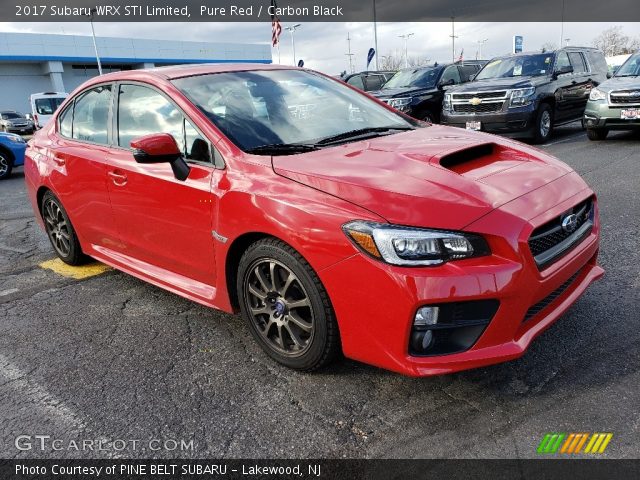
{"x":630,"y":114}
{"x":474,"y":125}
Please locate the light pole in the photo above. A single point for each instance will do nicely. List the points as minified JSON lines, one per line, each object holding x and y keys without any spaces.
{"x":292,"y":30}
{"x":375,"y":33}
{"x":95,"y":45}
{"x":453,"y":38}
{"x":406,"y":58}
{"x":480,"y":45}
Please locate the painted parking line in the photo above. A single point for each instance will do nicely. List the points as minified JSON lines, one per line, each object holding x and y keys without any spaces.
{"x":77,"y":273}
{"x":565,"y":139}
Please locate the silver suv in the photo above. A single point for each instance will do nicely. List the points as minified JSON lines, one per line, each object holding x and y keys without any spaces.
{"x":615,"y":104}
{"x":12,"y":121}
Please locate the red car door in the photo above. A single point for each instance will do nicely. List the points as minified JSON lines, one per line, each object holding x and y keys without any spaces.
{"x":80,"y":148}
{"x":164,"y":223}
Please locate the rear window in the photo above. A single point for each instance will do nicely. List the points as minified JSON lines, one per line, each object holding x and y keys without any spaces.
{"x":46,"y":106}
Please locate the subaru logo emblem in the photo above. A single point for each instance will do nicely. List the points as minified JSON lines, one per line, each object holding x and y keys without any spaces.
{"x":635,"y":94}
{"x":280,"y":307}
{"x":475,"y":101}
{"x":570,"y":223}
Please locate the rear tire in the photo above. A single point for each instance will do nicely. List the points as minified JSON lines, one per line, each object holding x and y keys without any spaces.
{"x":287,"y":309}
{"x":6,"y":165}
{"x":60,"y":231}
{"x":544,"y":124}
{"x":597,"y":134}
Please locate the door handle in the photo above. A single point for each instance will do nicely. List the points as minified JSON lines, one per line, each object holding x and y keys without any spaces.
{"x":58,"y":159}
{"x":118,"y":178}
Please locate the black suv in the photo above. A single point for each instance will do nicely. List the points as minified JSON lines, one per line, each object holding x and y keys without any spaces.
{"x":369,"y":80}
{"x":527,"y":94}
{"x":419,"y":91}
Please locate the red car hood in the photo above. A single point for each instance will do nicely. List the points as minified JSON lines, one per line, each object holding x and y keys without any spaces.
{"x":439,"y":177}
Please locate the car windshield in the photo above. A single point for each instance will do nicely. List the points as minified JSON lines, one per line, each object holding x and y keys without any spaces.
{"x":286,"y":108}
{"x":630,"y":68}
{"x":519,"y":66}
{"x":46,"y":106}
{"x":420,"y":77}
{"x":11,"y":115}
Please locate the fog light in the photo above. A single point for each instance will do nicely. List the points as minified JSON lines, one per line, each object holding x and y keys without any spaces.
{"x":421,"y":341}
{"x":426,"y":316}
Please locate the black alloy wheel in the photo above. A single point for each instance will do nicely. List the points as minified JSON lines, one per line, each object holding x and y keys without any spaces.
{"x":61,"y":234}
{"x":286,"y":306}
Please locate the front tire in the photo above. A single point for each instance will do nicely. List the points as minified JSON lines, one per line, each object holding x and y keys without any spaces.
{"x":6,"y":165}
{"x":597,"y":134}
{"x":60,"y":231}
{"x":286,"y":306}
{"x":544,"y":124}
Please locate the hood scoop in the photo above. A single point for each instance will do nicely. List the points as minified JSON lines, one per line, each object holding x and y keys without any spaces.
{"x":455,"y":160}
{"x":482,"y":160}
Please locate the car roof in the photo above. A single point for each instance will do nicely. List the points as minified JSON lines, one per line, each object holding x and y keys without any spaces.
{"x":179,"y":71}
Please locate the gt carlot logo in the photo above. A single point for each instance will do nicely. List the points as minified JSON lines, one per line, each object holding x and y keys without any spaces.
{"x":574,"y":443}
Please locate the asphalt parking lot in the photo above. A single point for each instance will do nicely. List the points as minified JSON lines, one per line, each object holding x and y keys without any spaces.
{"x":111,"y":357}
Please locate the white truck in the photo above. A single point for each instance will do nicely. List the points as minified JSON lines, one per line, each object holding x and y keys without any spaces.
{"x":44,"y":104}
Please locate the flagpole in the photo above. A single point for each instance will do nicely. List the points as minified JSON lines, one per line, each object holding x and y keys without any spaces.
{"x":278,"y":45}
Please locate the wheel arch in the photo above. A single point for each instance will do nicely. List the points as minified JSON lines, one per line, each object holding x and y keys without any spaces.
{"x":4,"y":150}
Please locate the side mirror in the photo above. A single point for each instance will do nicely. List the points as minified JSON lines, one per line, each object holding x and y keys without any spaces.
{"x":609,"y":74}
{"x":160,"y":148}
{"x":563,"y":70}
{"x":447,"y":83}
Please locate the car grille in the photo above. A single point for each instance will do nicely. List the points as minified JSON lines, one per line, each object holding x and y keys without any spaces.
{"x":478,"y":102}
{"x":551,"y":241}
{"x":482,"y":108}
{"x":549,"y":299}
{"x":627,"y":97}
{"x":469,"y":96}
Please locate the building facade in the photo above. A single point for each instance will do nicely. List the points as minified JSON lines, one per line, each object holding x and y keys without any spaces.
{"x":34,"y":63}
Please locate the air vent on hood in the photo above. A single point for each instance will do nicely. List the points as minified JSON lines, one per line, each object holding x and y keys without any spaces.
{"x":455,"y":159}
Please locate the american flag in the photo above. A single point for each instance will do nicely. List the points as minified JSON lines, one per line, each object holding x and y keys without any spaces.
{"x":461,"y":57}
{"x":276,"y":28}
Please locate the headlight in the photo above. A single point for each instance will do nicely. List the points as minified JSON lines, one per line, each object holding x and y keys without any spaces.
{"x":401,"y":104}
{"x":596,"y":95}
{"x":9,"y":124}
{"x":446,"y":105}
{"x":15,"y":138}
{"x":521,"y":97}
{"x":410,"y":246}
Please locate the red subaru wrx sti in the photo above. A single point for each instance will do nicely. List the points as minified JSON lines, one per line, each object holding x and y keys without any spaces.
{"x":331,"y":221}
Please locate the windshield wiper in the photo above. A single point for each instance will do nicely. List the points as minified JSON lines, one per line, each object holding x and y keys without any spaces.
{"x":359,"y":132}
{"x":282,"y":149}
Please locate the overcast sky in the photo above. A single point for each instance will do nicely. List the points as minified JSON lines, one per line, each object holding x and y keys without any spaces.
{"x":323,"y":45}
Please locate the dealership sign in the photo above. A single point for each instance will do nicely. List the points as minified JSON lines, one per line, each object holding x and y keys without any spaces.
{"x":518,"y":42}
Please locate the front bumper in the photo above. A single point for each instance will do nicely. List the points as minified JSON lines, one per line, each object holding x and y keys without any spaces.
{"x":600,"y":114}
{"x":514,"y":122}
{"x":376,"y":315}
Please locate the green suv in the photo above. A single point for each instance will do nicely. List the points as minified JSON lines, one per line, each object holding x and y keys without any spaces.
{"x":615,"y":104}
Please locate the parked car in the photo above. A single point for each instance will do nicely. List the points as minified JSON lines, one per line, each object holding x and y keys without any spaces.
{"x":12,"y":149}
{"x":12,"y":121}
{"x":414,"y":247}
{"x":43,"y":105}
{"x":419,"y":92}
{"x":615,"y":104}
{"x":527,"y":94}
{"x":369,"y":80}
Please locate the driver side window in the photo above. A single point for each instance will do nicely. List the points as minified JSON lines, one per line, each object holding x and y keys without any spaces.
{"x":562,"y":61}
{"x":451,"y":73}
{"x":143,"y":111}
